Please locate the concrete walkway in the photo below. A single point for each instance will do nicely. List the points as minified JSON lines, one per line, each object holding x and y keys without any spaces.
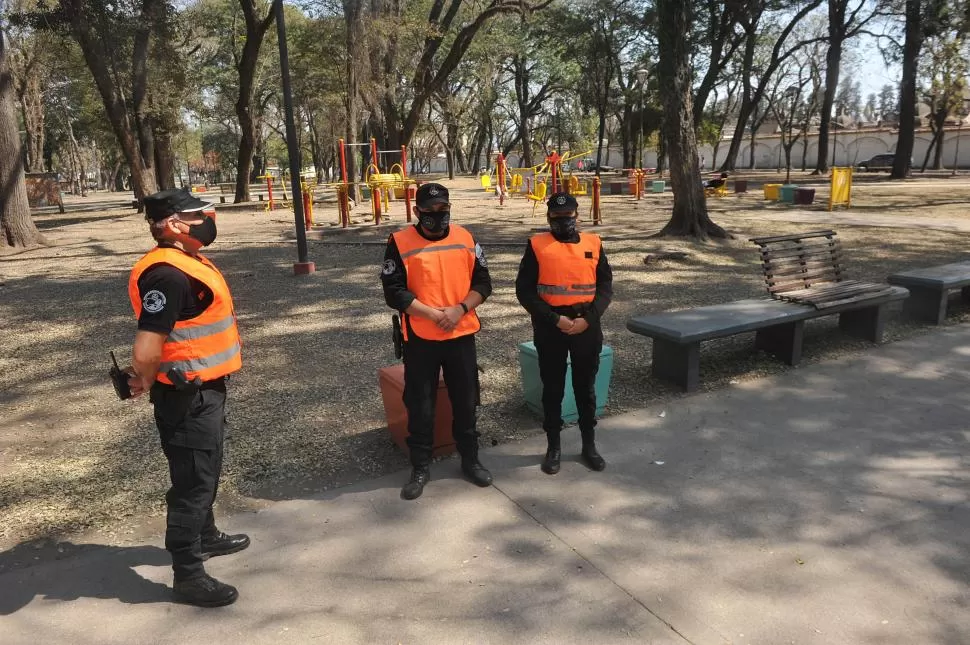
{"x":827,"y":505}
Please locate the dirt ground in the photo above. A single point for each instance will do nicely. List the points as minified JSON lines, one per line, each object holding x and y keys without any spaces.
{"x":305,"y":413}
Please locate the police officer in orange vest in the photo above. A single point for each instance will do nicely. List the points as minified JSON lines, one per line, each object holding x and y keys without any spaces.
{"x":186,"y":346}
{"x":565,"y":283}
{"x":436,"y":275}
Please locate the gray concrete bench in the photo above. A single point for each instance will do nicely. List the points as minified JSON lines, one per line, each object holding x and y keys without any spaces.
{"x":677,"y":335}
{"x":929,"y":289}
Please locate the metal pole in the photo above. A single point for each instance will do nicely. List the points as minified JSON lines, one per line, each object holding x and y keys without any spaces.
{"x":640,"y":135}
{"x":956,"y":153}
{"x":303,"y":266}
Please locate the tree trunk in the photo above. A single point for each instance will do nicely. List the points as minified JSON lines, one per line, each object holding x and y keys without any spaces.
{"x":246,"y":66}
{"x":601,"y":132}
{"x":32,"y":108}
{"x":754,"y":134}
{"x":17,"y":229}
{"x":907,"y":90}
{"x":355,"y":50}
{"x":164,"y":161}
{"x":116,"y":106}
{"x":833,"y":65}
{"x":744,"y":113}
{"x":689,"y":217}
{"x":940,"y":134}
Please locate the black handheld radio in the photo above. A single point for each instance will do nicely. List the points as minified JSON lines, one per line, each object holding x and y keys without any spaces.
{"x":119,"y":379}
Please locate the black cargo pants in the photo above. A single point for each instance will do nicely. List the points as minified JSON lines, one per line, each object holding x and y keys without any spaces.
{"x":423,"y":359}
{"x":553,"y":347}
{"x":192,"y":431}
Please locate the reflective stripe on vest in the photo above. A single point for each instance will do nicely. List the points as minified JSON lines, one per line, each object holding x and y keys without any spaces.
{"x":567,"y":272}
{"x":201,"y":363}
{"x":207,"y":346}
{"x":439,"y":274}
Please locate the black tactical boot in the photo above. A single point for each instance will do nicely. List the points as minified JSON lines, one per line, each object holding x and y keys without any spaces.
{"x":420,"y":475}
{"x":222,"y":544}
{"x":550,"y":463}
{"x":590,"y":455}
{"x":205,"y":591}
{"x":476,"y":472}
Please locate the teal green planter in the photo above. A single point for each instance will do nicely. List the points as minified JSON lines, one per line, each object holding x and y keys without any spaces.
{"x":532,"y":384}
{"x":658,"y":186}
{"x":788,"y":193}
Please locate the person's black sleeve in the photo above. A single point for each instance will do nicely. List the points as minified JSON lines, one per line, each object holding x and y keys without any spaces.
{"x":164,"y":291}
{"x":394,"y":279}
{"x":527,"y":288}
{"x":604,"y":288}
{"x":481,"y":279}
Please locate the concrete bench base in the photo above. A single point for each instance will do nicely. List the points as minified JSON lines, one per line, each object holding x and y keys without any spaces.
{"x":780,"y":327}
{"x":930,"y":289}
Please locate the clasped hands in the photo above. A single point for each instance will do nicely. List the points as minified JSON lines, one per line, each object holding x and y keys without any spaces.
{"x":572,"y":326}
{"x":447,"y":317}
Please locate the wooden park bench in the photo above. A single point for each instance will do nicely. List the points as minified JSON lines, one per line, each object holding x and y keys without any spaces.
{"x":929,"y":289}
{"x":805,"y":280}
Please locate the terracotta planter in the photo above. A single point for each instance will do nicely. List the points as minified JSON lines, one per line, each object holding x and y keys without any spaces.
{"x":391,"y":380}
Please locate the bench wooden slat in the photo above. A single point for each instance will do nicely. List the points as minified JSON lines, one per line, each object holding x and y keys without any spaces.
{"x":821,"y":250}
{"x":782,"y":238}
{"x":810,"y":260}
{"x":829,"y":296}
{"x":830,"y":288}
{"x":813,"y":273}
{"x":798,"y":263}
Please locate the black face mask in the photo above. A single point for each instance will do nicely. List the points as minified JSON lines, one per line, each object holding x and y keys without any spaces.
{"x":435,"y":221}
{"x":562,"y":228}
{"x":205,"y":232}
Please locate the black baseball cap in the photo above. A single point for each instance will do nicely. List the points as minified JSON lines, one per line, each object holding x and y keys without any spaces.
{"x":430,"y":194}
{"x":160,"y":205}
{"x":562,"y":203}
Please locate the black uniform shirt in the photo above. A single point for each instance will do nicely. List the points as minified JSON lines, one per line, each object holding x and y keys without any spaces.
{"x":167,"y":296}
{"x":395,"y":280}
{"x":527,"y":291}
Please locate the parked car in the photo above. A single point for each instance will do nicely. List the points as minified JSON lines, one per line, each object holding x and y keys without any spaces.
{"x":880,"y":162}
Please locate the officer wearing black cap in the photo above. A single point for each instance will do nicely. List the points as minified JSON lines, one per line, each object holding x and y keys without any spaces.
{"x":186,"y":346}
{"x":435,"y":274}
{"x":565,"y":283}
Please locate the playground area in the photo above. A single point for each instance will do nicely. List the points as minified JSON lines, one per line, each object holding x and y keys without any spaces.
{"x":305,"y":413}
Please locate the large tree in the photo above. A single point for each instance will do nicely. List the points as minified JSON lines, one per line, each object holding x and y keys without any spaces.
{"x":16,"y":227}
{"x":847,"y":18}
{"x":258,"y":17}
{"x":752,"y":69}
{"x":689,"y":216}
{"x":129,"y":48}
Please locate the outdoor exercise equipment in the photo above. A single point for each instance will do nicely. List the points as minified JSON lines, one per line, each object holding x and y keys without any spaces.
{"x":379,"y":184}
{"x":538,"y":196}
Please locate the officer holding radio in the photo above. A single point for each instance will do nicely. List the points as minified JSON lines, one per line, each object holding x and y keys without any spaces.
{"x":186,"y":346}
{"x":565,"y":282}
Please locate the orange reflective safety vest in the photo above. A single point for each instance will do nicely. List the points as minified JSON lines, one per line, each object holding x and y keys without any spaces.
{"x":206,"y":346}
{"x":439,"y":274}
{"x":567,"y":272}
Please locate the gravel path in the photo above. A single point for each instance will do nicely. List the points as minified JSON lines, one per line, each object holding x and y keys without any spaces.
{"x":305,"y":413}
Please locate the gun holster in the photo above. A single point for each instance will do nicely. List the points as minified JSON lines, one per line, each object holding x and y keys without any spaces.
{"x":397,"y":336}
{"x":177,"y":377}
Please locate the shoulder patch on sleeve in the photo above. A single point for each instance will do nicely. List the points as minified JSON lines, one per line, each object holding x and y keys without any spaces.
{"x":153,"y":301}
{"x":389,"y":267}
{"x":480,"y":254}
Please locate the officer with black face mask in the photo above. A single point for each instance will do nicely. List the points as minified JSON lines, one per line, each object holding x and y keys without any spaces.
{"x":565,"y":283}
{"x":186,"y":346}
{"x":436,"y":275}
